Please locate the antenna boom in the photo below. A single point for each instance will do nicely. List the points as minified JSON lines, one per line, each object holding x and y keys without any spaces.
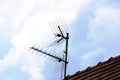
{"x":48,"y":54}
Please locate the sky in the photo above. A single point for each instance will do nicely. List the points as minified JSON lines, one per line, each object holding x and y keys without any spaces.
{"x":94,"y":36}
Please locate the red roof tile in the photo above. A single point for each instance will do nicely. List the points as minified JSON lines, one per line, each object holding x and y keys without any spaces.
{"x":108,"y":70}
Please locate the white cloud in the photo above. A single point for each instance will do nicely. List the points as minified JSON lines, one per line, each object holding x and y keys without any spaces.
{"x":105,"y":23}
{"x":33,"y":66}
{"x":28,"y":20}
{"x":103,"y":32}
{"x":104,"y":28}
{"x":92,"y":57}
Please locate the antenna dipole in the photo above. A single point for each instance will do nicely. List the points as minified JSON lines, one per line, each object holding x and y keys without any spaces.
{"x":59,"y":59}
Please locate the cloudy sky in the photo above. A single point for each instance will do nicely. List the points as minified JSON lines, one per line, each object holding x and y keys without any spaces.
{"x":95,"y":34}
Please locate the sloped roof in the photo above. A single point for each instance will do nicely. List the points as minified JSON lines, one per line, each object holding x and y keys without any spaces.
{"x":108,"y":70}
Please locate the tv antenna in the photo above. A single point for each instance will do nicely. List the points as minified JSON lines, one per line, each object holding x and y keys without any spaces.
{"x":61,"y":34}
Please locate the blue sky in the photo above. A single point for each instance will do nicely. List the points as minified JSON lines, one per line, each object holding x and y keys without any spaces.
{"x":94,"y":27}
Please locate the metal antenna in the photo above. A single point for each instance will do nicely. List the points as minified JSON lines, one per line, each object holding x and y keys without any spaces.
{"x":61,"y":36}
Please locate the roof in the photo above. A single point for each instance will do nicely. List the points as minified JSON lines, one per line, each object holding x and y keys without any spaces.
{"x":107,"y":70}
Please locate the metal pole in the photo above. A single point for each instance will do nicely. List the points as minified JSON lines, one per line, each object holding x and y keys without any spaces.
{"x":66,"y":53}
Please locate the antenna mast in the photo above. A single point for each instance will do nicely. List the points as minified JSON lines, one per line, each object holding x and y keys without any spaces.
{"x":59,"y":59}
{"x":66,"y":54}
